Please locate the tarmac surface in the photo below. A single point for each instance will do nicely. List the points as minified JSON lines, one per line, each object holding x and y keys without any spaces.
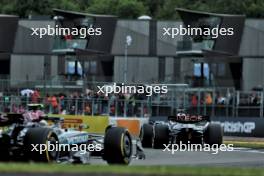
{"x":239,"y":157}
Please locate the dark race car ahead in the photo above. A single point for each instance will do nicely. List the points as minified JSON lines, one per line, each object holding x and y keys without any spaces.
{"x":24,"y":139}
{"x":184,"y":128}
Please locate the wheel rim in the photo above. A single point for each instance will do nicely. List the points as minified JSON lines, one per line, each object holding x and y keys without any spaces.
{"x":127,"y":145}
{"x":53,"y":154}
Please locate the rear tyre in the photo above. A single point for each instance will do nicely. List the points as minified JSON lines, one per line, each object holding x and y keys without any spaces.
{"x":161,"y":136}
{"x":4,"y":148}
{"x":117,"y":146}
{"x":146,"y":135}
{"x":214,"y":134}
{"x":4,"y":156}
{"x":41,"y":136}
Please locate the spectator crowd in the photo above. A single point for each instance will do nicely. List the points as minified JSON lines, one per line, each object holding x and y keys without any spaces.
{"x":89,"y":103}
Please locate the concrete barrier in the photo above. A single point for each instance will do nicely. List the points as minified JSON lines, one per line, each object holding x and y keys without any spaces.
{"x":233,"y":126}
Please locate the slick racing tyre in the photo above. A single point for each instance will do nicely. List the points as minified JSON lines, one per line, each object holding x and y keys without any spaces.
{"x":4,"y":154}
{"x":161,"y":136}
{"x":214,"y":134}
{"x":4,"y":151}
{"x":117,"y":146}
{"x":41,"y":136}
{"x":146,"y":135}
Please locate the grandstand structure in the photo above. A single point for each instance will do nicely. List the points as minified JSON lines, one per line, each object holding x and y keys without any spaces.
{"x":53,"y":64}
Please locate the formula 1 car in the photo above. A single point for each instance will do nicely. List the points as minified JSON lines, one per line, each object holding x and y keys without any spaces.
{"x":183,"y":128}
{"x":23,"y":140}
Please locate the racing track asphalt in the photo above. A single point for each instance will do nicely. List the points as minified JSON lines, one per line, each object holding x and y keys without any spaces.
{"x":240,"y":157}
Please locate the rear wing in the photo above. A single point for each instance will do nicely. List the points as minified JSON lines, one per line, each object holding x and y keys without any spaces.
{"x":188,"y":118}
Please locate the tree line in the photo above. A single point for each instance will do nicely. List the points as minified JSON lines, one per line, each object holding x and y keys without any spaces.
{"x":157,"y":9}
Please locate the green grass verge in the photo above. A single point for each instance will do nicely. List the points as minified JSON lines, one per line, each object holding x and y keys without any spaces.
{"x":253,"y":145}
{"x":148,"y":170}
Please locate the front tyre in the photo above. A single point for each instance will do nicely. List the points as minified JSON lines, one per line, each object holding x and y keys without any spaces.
{"x":117,"y":146}
{"x":146,"y":135}
{"x":41,"y":137}
{"x":4,"y":148}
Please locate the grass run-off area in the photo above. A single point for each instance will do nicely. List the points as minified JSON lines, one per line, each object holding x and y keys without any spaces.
{"x":250,"y":144}
{"x":148,"y":170}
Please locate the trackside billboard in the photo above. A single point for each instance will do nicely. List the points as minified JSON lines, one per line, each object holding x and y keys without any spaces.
{"x":241,"y":126}
{"x":234,"y":126}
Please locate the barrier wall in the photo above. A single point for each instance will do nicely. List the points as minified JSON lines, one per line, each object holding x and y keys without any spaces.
{"x":234,"y":126}
{"x":244,"y":126}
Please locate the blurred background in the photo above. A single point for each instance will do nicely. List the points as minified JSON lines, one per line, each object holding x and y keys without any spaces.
{"x":220,"y":77}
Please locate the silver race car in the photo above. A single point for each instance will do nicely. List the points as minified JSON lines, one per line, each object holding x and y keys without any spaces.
{"x":29,"y":137}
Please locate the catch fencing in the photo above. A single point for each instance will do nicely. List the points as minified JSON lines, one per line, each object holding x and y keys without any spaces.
{"x":224,"y":102}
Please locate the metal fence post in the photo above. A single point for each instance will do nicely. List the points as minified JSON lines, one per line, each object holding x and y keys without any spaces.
{"x":83,"y":106}
{"x":116,"y":106}
{"x":199,"y":102}
{"x":108,"y":107}
{"x":76,"y":106}
{"x":237,"y":103}
{"x":125,"y":108}
{"x":142,"y":109}
{"x":213,"y":103}
{"x":92,"y":107}
{"x":261,"y":104}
